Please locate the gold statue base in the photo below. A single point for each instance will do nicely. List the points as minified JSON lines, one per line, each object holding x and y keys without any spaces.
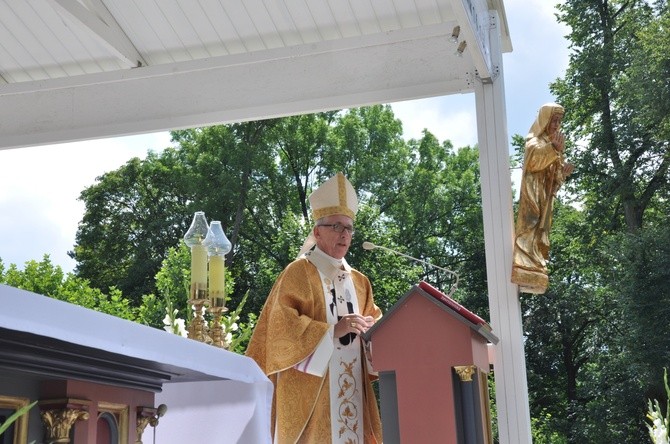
{"x":533,"y":282}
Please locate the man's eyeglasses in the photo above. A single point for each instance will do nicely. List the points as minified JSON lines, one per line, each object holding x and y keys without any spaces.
{"x":338,"y":228}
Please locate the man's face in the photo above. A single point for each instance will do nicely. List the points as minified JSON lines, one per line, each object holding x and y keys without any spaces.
{"x":331,"y":242}
{"x":554,"y":123}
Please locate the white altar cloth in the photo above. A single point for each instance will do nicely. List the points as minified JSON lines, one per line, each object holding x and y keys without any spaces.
{"x":213,"y":395}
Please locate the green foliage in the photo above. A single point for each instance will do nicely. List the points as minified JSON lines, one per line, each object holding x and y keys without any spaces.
{"x":493,"y":406}
{"x":39,"y":277}
{"x":565,"y":326}
{"x":391,"y":275}
{"x":46,"y":279}
{"x":592,"y":359}
{"x":644,"y":84}
{"x":237,"y":333}
{"x":625,"y":347}
{"x":173,"y":283}
{"x":140,"y":198}
{"x":642,"y":262}
{"x":438,"y":214}
{"x":16,"y":415}
{"x":543,"y":432}
{"x":619,"y":56}
{"x":151,"y":312}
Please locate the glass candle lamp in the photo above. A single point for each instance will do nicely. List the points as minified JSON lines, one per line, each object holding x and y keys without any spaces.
{"x":195,"y":238}
{"x":217,"y":245}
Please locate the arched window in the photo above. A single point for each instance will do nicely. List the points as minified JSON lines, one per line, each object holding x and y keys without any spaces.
{"x":107,"y":429}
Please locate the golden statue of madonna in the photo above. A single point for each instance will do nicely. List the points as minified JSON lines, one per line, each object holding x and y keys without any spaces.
{"x":544,"y":171}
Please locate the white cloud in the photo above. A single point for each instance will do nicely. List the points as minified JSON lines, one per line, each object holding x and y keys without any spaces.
{"x":540,"y":55}
{"x":40,"y":187}
{"x":447,"y":118}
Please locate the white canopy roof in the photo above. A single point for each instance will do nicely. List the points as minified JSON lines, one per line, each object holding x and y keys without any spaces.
{"x":81,"y":69}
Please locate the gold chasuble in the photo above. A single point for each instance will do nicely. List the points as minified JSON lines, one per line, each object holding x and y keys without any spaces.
{"x":323,"y":382}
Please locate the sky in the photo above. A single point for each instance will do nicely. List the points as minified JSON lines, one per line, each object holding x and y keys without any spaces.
{"x":40,"y":186}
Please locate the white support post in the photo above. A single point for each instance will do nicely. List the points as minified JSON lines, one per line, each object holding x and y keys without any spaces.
{"x":506,"y":319}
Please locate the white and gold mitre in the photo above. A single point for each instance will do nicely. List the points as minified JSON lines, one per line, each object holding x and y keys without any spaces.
{"x":334,"y":196}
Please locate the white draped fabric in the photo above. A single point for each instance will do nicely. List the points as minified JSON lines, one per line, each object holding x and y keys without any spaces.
{"x":226,"y":390}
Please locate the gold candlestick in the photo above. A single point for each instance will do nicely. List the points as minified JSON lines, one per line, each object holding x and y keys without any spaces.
{"x":197,"y":329}
{"x":217,"y":329}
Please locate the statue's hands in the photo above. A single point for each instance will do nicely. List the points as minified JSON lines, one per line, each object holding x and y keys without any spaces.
{"x":558,"y":141}
{"x":568,"y":168}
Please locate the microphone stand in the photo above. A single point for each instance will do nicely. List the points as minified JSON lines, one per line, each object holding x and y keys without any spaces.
{"x":371,"y":246}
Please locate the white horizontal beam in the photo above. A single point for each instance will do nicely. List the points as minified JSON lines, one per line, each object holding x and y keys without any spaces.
{"x":383,"y":68}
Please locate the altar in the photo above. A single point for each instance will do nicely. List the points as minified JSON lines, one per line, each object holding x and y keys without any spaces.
{"x":120,"y":380}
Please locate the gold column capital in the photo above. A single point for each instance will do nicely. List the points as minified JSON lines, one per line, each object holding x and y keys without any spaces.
{"x":465,"y":372}
{"x":59,"y":415}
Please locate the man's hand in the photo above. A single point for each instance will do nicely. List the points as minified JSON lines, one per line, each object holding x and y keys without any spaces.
{"x":353,"y":323}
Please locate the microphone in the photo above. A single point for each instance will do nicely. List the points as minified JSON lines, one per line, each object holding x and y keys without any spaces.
{"x":162,"y":410}
{"x":153,"y":421}
{"x":371,"y":246}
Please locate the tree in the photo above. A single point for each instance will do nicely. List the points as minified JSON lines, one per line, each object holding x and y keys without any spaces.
{"x":645,"y":87}
{"x":438,"y":212}
{"x":622,"y":161}
{"x":48,"y":280}
{"x":642,"y":262}
{"x":255,"y":177}
{"x":568,"y":329}
{"x":589,"y":364}
{"x":132,"y":216}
